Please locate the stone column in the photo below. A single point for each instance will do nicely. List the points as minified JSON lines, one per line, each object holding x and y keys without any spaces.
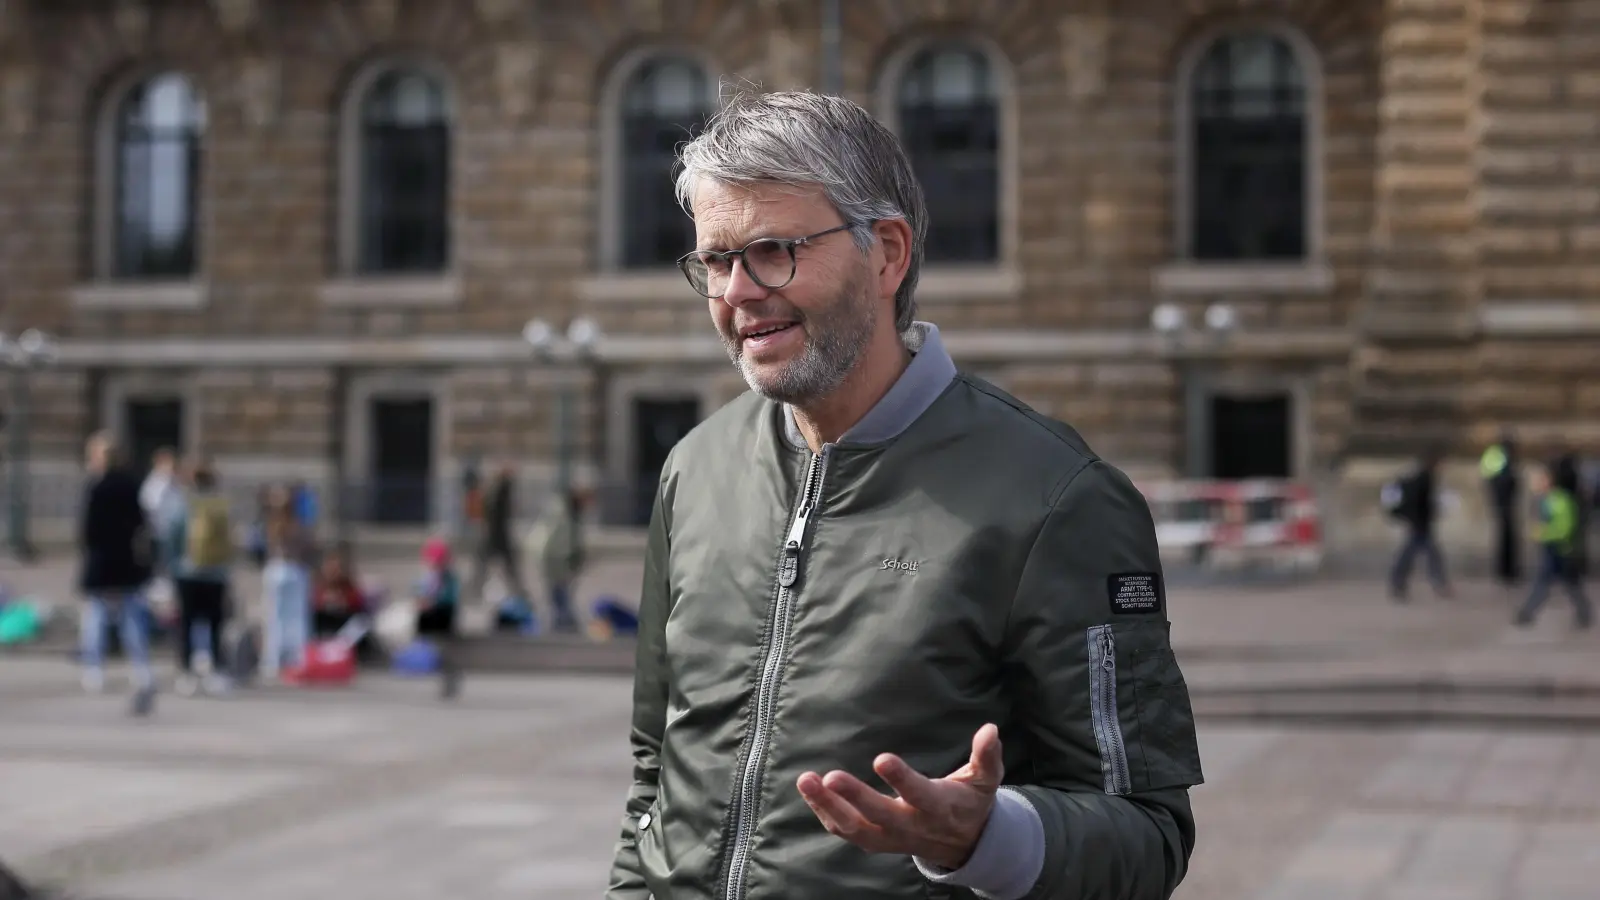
{"x":1418,"y":322}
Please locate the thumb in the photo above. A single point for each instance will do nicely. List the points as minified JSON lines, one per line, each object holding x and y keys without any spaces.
{"x":987,"y":764}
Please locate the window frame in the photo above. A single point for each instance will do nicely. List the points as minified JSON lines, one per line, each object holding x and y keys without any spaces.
{"x":1307,"y":57}
{"x":999,"y":279}
{"x":613,"y":160}
{"x":102,"y":288}
{"x":352,"y":173}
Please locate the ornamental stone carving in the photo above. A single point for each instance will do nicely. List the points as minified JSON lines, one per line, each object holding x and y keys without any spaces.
{"x":517,"y":78}
{"x":1085,"y":53}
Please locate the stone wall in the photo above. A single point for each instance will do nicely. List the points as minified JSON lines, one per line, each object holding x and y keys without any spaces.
{"x":1451,"y":286}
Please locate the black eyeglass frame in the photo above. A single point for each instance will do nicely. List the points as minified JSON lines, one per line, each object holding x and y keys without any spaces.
{"x":730,"y":255}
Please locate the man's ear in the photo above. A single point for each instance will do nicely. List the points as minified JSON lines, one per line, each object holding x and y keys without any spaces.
{"x":894,"y":254}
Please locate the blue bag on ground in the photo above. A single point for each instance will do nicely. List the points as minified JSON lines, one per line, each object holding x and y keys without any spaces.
{"x":417,"y":658}
{"x":613,"y":612}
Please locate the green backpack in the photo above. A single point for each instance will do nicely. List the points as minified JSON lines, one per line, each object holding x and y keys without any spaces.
{"x":209,"y":533}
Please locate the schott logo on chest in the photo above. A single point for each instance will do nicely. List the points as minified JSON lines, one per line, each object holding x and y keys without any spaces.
{"x":899,"y":565}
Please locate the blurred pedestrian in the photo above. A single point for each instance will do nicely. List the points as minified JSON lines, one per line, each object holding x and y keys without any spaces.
{"x":1567,"y":477}
{"x":203,"y":534}
{"x":1558,"y":518}
{"x":1414,"y":500}
{"x":438,"y":595}
{"x":1498,"y":467}
{"x":556,"y":543}
{"x":257,"y":541}
{"x":286,"y":588}
{"x":494,"y":543}
{"x":161,"y":497}
{"x":337,"y":597}
{"x":118,"y":550}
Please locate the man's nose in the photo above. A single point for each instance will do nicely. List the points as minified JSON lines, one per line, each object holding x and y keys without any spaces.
{"x":742,"y":288}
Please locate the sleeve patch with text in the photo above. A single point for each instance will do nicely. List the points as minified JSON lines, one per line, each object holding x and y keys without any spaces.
{"x":1136,"y":593}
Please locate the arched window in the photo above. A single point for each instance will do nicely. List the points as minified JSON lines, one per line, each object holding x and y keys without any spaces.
{"x":156,"y":176}
{"x":664,"y":102}
{"x":1248,"y":174}
{"x":948,"y":111}
{"x":402,"y":223}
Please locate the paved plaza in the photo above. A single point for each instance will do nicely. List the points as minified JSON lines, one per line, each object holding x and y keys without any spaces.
{"x":382,"y":792}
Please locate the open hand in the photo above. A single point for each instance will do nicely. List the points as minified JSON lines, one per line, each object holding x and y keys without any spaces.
{"x":935,"y":819}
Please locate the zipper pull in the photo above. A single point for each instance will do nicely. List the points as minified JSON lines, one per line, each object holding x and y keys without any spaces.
{"x":1108,"y":651}
{"x":797,"y":531}
{"x":789,"y":572}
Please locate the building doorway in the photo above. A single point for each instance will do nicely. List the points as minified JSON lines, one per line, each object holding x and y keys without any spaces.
{"x":1251,"y":436}
{"x":150,"y":424}
{"x":401,"y":461}
{"x":658,"y":424}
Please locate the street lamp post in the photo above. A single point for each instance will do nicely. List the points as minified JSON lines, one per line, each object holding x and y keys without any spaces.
{"x":582,"y":335}
{"x":1172,"y":324}
{"x":832,"y":57}
{"x":32,"y":349}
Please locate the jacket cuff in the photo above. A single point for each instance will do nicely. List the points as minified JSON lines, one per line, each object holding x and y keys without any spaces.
{"x":1010,"y":853}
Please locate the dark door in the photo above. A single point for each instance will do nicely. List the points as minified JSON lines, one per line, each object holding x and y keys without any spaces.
{"x":401,"y":483}
{"x":1250,"y":437}
{"x":152,"y":423}
{"x":658,"y":425}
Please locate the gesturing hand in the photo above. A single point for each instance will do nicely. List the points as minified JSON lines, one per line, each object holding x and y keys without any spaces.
{"x":936,"y":819}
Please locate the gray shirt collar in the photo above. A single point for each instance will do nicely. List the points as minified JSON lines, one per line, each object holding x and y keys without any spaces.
{"x":928,"y":374}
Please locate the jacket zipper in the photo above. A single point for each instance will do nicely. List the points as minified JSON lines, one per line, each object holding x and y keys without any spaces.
{"x":744,"y":810}
{"x":1103,"y":710}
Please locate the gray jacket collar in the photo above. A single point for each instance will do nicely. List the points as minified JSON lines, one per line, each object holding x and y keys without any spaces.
{"x":922,"y":382}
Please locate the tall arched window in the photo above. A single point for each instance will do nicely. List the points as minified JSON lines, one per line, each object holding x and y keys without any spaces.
{"x":948,"y":109}
{"x":1248,"y":179}
{"x":403,"y":201}
{"x":664,"y":102}
{"x":155,"y":230}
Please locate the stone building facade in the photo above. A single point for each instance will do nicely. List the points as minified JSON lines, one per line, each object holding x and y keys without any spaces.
{"x":302,"y":237}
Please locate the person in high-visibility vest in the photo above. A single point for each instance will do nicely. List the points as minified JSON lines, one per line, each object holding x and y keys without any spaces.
{"x":1567,"y":477}
{"x":1558,"y":537}
{"x":1498,"y":466}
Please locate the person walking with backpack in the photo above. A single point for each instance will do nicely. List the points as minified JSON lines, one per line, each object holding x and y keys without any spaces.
{"x":1558,"y":535}
{"x":118,"y":560}
{"x":203,"y":536}
{"x":1414,"y":500}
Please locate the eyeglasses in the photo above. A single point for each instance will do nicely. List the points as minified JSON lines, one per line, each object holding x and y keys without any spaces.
{"x":770,"y":262}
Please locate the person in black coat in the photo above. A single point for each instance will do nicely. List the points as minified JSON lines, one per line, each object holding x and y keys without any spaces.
{"x":118,"y":557}
{"x":1418,"y":507}
{"x":1498,"y":467}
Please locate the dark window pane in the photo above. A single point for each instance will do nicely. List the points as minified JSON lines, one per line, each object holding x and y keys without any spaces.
{"x":157,"y":165}
{"x":949,"y":114}
{"x":665,"y":102}
{"x":1249,"y":177}
{"x":405,"y":175}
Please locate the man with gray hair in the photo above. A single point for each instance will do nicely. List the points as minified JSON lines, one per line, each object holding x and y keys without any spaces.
{"x":872,"y":568}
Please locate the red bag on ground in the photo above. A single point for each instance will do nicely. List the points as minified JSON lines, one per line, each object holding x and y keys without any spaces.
{"x":327,"y":663}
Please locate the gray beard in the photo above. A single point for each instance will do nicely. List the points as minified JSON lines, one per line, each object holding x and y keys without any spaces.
{"x":835,"y":340}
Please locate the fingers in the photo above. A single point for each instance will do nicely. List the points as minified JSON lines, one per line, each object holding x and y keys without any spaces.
{"x":836,"y":813}
{"x":912,"y":786}
{"x":881,"y":810}
{"x":987,"y":766}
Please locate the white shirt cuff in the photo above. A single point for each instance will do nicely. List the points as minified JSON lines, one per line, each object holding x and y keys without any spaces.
{"x":1010,"y":853}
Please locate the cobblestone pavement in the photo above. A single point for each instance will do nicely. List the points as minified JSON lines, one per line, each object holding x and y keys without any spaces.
{"x":382,"y":792}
